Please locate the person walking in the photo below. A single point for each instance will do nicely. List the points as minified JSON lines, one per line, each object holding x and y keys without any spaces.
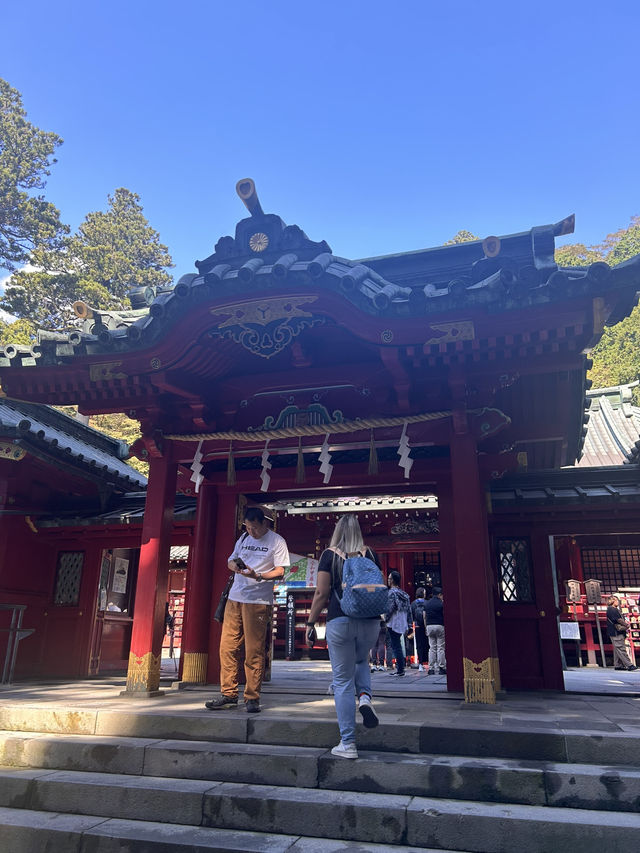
{"x":434,"y":620}
{"x":397,"y":619}
{"x":348,"y":639}
{"x":378,"y":651}
{"x":618,"y":635}
{"x":257,"y":560}
{"x":419,"y":628}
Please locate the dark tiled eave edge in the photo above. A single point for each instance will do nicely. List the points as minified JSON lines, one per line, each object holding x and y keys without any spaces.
{"x":616,"y":484}
{"x":127,"y":511}
{"x":490,"y":284}
{"x":52,"y":435}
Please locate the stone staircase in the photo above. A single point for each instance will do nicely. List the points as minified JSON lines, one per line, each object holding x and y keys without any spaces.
{"x":99,"y":781}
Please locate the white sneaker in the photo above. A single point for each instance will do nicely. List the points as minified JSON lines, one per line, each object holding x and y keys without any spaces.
{"x":345,"y":750}
{"x":420,"y":668}
{"x":369,"y":716}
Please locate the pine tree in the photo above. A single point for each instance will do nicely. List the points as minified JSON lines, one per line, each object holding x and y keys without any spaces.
{"x":113,"y":251}
{"x":27,"y":220}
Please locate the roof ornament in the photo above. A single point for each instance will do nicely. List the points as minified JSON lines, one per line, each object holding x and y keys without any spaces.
{"x":246,"y":189}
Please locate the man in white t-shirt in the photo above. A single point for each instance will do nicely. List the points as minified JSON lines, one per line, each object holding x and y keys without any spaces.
{"x":258,"y":559}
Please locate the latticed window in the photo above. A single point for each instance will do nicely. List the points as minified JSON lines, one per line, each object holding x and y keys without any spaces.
{"x":613,"y":567}
{"x":426,"y":569}
{"x":68,"y":578}
{"x":514,"y":571}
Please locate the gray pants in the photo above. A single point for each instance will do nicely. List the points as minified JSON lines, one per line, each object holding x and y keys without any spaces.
{"x":435,"y":633}
{"x":620,"y":656}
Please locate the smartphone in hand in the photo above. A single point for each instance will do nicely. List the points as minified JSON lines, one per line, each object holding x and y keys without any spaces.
{"x":240,"y":563}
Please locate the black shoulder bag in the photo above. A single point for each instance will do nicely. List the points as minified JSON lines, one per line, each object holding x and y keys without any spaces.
{"x":219,"y":611}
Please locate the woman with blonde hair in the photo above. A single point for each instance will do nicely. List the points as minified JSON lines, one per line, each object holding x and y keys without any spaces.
{"x":349,"y":639}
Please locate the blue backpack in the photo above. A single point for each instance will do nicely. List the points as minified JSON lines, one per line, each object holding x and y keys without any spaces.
{"x":364,"y":592}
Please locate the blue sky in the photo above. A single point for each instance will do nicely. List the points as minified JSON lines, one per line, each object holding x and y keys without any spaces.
{"x":378,"y":127}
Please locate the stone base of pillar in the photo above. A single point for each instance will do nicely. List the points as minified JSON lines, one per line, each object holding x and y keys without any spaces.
{"x":143,"y":675}
{"x":194,"y":667}
{"x":481,"y":680}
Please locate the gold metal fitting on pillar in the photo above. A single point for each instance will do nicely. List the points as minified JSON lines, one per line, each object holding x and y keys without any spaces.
{"x":481,"y":680}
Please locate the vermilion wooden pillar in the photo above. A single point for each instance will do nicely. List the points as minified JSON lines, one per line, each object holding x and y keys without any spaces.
{"x":143,"y":676}
{"x":195,"y":635}
{"x":481,"y":674}
{"x":226,"y":534}
{"x":450,"y":585}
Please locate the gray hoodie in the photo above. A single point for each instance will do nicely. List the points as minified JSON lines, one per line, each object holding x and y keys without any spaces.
{"x":398,"y":610}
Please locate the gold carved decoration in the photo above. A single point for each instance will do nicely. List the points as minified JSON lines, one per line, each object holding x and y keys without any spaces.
{"x":11,"y":451}
{"x":194,"y":668}
{"x":143,"y":675}
{"x":263,"y":311}
{"x":258,"y":242}
{"x":461,"y":331}
{"x":481,"y":680}
{"x":105,"y":372}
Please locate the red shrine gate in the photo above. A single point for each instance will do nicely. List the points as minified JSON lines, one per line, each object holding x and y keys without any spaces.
{"x":291,"y":373}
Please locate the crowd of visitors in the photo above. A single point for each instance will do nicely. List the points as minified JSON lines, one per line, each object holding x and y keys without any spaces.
{"x":370,"y":624}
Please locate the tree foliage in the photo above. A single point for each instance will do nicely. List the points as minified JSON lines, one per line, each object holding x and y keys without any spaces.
{"x":27,"y":220}
{"x":461,"y":237}
{"x":616,"y":358}
{"x":21,"y":332}
{"x":577,"y":255}
{"x":113,"y":251}
{"x":115,"y":425}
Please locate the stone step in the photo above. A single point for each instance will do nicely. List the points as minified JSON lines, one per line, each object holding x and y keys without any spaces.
{"x":519,"y":742}
{"x":30,"y":831}
{"x":541,"y":783}
{"x":290,"y":815}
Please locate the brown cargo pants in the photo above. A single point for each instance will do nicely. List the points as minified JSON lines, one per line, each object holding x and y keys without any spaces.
{"x":244,"y":624}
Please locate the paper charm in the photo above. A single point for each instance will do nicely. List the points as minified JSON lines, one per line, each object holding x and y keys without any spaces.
{"x":325,"y":460}
{"x":403,"y":452}
{"x":265,"y":476}
{"x":196,"y":467}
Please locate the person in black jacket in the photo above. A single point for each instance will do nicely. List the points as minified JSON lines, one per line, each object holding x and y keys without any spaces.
{"x":617,"y":635}
{"x":420,"y":631}
{"x":434,"y":618}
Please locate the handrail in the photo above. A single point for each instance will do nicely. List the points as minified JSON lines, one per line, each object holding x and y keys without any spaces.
{"x":16,"y":633}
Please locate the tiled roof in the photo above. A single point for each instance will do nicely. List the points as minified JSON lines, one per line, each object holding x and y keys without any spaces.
{"x":613,"y":431}
{"x":619,"y":484}
{"x":498,"y":274}
{"x":43,"y":429}
{"x":127,"y":509}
